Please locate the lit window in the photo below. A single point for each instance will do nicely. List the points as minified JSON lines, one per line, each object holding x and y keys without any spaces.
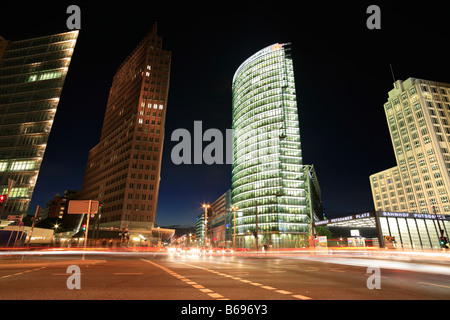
{"x":17,"y":192}
{"x":3,"y":166}
{"x":45,"y":76}
{"x":23,"y":165}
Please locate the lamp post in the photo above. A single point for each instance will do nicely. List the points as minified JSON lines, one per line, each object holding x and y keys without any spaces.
{"x":256,"y":220}
{"x":234,"y":208}
{"x":206,"y":206}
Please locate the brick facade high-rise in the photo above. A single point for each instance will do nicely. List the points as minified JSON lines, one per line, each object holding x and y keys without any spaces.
{"x":123,"y":170}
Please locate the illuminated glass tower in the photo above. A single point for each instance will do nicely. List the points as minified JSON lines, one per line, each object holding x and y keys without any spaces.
{"x":32,"y":75}
{"x":268,"y":183}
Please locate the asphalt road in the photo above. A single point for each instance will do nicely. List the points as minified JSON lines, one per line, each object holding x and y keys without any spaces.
{"x":177,"y":277}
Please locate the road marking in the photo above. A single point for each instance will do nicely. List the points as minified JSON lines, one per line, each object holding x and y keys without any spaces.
{"x":216,"y":296}
{"x":283,"y":292}
{"x":301,"y":297}
{"x":312,"y":269}
{"x":20,"y":273}
{"x":297,"y":296}
{"x":434,"y":284}
{"x":201,"y":288}
{"x":127,"y":273}
{"x":337,"y":270}
{"x":268,"y":287}
{"x":246,"y":281}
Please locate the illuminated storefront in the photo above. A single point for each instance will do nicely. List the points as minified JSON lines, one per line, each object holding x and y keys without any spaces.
{"x":268,"y":183}
{"x":399,"y":230}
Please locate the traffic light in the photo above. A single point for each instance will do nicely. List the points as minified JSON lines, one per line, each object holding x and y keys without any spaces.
{"x":83,"y":227}
{"x":2,"y":199}
{"x":443,"y":241}
{"x":125,"y":233}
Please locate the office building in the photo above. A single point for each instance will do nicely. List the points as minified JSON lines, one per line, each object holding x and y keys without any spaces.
{"x":391,"y":230}
{"x":200,"y":229}
{"x":123,"y":170}
{"x":219,"y":230}
{"x":418,"y":116}
{"x":32,"y":75}
{"x":268,"y":181}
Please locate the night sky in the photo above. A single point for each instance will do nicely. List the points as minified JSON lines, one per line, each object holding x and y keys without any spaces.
{"x":342,"y":73}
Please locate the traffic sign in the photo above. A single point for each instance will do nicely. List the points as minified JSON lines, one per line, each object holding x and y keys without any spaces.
{"x":82,"y":207}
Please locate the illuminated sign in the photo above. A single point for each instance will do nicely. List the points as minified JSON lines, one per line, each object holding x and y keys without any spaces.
{"x":344,"y":219}
{"x":363,"y":215}
{"x":414,"y":215}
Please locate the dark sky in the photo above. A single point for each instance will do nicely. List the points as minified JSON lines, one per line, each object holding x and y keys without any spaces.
{"x":342,"y":78}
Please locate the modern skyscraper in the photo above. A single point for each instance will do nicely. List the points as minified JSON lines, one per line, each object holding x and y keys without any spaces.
{"x":32,"y":75}
{"x":418,"y":116}
{"x":123,"y":170}
{"x":268,"y":183}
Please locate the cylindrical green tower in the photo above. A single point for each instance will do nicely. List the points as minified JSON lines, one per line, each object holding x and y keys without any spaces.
{"x":268,"y":185}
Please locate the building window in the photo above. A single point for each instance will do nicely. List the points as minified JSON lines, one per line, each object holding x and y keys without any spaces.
{"x":23,"y":165}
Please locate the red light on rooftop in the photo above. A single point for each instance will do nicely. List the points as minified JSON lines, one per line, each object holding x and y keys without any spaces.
{"x":276,"y":47}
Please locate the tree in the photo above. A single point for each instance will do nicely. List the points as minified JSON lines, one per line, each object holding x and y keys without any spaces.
{"x":323,"y":231}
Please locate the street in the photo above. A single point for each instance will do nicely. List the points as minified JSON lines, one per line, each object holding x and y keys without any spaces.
{"x":173,"y":276}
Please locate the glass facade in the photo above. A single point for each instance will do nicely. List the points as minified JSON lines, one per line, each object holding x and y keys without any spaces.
{"x":268,"y":183}
{"x":32,"y":74}
{"x":413,"y":231}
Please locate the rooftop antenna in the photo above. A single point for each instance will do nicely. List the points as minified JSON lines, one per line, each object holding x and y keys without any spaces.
{"x":392,"y":72}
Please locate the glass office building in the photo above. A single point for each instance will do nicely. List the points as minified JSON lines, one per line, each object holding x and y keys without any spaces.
{"x":32,"y":75}
{"x":268,"y":183}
